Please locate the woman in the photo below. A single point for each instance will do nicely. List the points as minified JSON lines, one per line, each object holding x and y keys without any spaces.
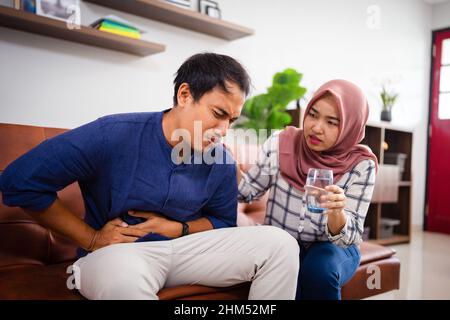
{"x":334,"y":124}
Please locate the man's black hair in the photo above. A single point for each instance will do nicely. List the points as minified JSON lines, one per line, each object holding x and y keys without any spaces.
{"x":205,"y":71}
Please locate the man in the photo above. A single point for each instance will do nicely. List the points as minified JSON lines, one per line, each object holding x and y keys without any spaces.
{"x":136,"y":192}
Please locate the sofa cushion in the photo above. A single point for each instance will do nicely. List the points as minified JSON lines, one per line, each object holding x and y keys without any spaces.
{"x":373,"y":252}
{"x":36,"y":283}
{"x":50,"y":283}
{"x":199,"y":292}
{"x":24,"y":241}
{"x":364,"y":284}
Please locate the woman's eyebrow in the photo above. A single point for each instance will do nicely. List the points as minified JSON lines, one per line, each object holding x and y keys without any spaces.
{"x":328,"y":117}
{"x":333,"y":118}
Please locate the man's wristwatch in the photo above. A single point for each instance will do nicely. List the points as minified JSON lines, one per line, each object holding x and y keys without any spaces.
{"x":185,"y":231}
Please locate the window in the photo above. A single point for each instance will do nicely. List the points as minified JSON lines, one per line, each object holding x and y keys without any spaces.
{"x":444,"y":82}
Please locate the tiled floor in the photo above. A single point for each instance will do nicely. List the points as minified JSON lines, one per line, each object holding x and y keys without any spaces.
{"x":425,"y":268}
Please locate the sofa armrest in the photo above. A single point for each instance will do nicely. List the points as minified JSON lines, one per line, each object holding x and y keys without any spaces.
{"x":363,"y":284}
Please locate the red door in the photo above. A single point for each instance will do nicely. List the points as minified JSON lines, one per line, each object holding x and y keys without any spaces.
{"x":438,"y":176}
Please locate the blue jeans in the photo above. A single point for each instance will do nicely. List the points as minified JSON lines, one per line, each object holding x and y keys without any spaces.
{"x":324,"y":269}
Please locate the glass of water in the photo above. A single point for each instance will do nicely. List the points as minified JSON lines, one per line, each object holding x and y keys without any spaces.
{"x":316,"y":182}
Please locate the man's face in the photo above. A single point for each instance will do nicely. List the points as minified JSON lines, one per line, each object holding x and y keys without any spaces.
{"x":214,"y":113}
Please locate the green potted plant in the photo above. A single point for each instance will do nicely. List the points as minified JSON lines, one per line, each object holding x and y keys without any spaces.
{"x":268,"y":110}
{"x":388,"y":98}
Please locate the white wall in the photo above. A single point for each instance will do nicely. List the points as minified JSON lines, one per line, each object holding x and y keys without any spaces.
{"x":441,"y":16}
{"x":49,"y":82}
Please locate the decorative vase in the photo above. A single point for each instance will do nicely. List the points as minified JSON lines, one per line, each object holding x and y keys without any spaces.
{"x":386,"y":115}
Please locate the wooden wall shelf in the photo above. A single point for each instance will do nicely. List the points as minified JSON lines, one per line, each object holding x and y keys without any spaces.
{"x":183,"y":18}
{"x":33,"y":23}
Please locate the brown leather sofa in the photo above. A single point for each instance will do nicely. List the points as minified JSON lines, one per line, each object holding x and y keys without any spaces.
{"x":34,"y":260}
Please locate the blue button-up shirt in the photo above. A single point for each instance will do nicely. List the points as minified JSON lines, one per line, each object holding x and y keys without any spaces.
{"x":123,"y":162}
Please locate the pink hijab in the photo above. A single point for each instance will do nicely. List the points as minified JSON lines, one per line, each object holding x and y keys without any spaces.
{"x":296,"y":157}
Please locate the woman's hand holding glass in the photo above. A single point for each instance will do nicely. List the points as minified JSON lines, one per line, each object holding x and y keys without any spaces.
{"x":334,"y":201}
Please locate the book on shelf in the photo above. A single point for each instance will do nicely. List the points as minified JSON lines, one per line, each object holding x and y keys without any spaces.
{"x":120,"y":32}
{"x":117,"y":25}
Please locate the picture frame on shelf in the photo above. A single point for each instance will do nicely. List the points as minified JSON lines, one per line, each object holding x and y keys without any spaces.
{"x":10,"y":3}
{"x":213,"y":12}
{"x":195,"y":5}
{"x":27,"y":5}
{"x":210,"y":8}
{"x":185,"y":4}
{"x":65,"y":10}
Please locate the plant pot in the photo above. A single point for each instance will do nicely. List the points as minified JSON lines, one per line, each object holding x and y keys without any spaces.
{"x":386,"y":115}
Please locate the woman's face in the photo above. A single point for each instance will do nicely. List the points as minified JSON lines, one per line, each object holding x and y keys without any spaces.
{"x":321,"y":124}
